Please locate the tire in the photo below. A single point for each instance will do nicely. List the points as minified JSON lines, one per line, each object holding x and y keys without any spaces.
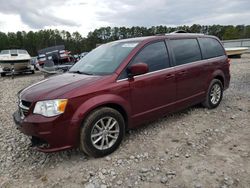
{"x":214,"y":94}
{"x":97,"y":141}
{"x":3,"y":74}
{"x":32,"y":71}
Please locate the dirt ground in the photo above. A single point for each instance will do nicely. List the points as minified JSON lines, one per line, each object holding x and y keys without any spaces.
{"x":193,"y":148}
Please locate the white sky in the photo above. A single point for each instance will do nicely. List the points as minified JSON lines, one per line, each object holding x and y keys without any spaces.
{"x":86,"y":15}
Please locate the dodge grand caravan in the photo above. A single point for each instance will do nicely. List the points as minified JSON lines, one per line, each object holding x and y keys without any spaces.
{"x":121,"y":85}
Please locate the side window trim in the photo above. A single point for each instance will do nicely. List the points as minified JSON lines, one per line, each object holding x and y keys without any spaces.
{"x":147,"y":44}
{"x":199,"y":41}
{"x":172,"y":53}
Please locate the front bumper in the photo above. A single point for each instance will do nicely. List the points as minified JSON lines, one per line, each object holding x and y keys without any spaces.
{"x":57,"y":133}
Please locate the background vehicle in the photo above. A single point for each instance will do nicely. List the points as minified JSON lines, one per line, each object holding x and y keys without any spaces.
{"x":15,"y":61}
{"x":121,"y":85}
{"x":55,"y":59}
{"x":56,"y":53}
{"x":34,"y":62}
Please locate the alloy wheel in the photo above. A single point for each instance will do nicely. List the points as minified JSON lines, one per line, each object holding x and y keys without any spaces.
{"x":105,"y":133}
{"x":215,"y":94}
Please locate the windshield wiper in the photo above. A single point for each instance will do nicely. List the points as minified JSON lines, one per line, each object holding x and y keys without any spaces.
{"x":77,"y":72}
{"x":80,"y":72}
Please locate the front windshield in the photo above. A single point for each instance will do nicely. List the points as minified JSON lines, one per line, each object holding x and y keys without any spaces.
{"x":13,"y":51}
{"x":105,"y":59}
{"x":5,"y":52}
{"x":22,"y":52}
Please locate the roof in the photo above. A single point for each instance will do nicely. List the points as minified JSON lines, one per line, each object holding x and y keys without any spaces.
{"x":163,"y":36}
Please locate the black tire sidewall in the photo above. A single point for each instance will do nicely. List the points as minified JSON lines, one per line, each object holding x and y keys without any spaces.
{"x":210,"y":104}
{"x":89,"y":148}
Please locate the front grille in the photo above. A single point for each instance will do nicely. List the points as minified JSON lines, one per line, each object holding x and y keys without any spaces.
{"x":24,"y":108}
{"x":26,"y":103}
{"x":24,"y":112}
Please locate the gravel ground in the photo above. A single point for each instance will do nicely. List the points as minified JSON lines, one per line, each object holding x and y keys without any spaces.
{"x":193,"y":148}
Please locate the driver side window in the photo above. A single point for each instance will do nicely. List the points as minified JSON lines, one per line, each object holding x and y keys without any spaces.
{"x":155,"y":55}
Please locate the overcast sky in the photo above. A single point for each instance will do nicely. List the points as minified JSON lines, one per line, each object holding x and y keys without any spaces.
{"x":86,"y":15}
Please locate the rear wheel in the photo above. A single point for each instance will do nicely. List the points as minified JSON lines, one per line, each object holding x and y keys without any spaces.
{"x":3,"y":74}
{"x":214,"y":94}
{"x":102,"y":132}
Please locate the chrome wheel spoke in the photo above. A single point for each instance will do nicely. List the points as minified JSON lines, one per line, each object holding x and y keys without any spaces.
{"x":112,"y":125}
{"x":98,"y":127}
{"x":102,"y":144}
{"x":111,"y":136}
{"x":102,"y":123}
{"x":108,"y":123}
{"x":212,"y":99}
{"x":98,"y":139}
{"x":95,"y":135}
{"x":115,"y":131}
{"x":107,"y":141}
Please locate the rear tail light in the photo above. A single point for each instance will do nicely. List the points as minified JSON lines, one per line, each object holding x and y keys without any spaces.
{"x":62,"y":51}
{"x":228,"y":61}
{"x":63,"y":55}
{"x":42,"y":59}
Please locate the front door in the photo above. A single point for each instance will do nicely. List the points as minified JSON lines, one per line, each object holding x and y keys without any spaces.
{"x":152,"y":93}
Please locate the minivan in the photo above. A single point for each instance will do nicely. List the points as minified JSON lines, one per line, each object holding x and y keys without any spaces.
{"x":122,"y":85}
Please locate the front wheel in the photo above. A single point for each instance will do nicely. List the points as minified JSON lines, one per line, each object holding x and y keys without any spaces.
{"x":102,"y":132}
{"x":214,"y":94}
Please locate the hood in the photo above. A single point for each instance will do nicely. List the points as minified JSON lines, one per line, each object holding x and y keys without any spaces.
{"x":56,"y":86}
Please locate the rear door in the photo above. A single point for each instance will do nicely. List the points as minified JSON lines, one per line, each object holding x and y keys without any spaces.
{"x":189,"y":68}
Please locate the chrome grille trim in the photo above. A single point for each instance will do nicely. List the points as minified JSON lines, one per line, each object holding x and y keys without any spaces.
{"x":23,"y":109}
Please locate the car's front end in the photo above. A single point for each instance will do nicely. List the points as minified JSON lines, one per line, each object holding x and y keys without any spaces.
{"x":43,"y":121}
{"x":45,"y":114}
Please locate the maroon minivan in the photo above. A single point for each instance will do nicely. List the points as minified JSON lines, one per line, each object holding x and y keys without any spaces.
{"x":121,"y":85}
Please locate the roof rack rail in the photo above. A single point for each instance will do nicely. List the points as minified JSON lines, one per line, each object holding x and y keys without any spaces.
{"x":183,"y":32}
{"x":179,"y":31}
{"x":160,"y":34}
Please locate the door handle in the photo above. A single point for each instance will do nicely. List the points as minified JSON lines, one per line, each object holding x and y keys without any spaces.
{"x":169,"y":76}
{"x":182,"y":72}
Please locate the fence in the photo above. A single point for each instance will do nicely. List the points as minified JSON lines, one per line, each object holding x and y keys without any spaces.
{"x":237,"y":43}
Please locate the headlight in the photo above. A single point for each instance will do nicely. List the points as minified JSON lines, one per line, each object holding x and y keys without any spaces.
{"x":50,"y":108}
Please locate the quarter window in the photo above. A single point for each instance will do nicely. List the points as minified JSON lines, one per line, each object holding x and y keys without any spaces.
{"x":185,"y":50}
{"x":154,"y":55}
{"x":210,"y":48}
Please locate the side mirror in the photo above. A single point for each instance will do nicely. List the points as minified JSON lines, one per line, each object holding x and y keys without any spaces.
{"x":137,"y":69}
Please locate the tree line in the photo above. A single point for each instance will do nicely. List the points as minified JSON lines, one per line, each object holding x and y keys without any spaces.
{"x":34,"y":41}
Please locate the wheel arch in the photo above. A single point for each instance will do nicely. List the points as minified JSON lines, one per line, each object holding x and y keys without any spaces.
{"x":111,"y":101}
{"x":218,"y":74}
{"x":220,"y":77}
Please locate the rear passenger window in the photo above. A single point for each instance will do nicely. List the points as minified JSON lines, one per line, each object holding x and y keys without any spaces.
{"x":210,"y":48}
{"x":185,"y":50}
{"x":155,"y":55}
